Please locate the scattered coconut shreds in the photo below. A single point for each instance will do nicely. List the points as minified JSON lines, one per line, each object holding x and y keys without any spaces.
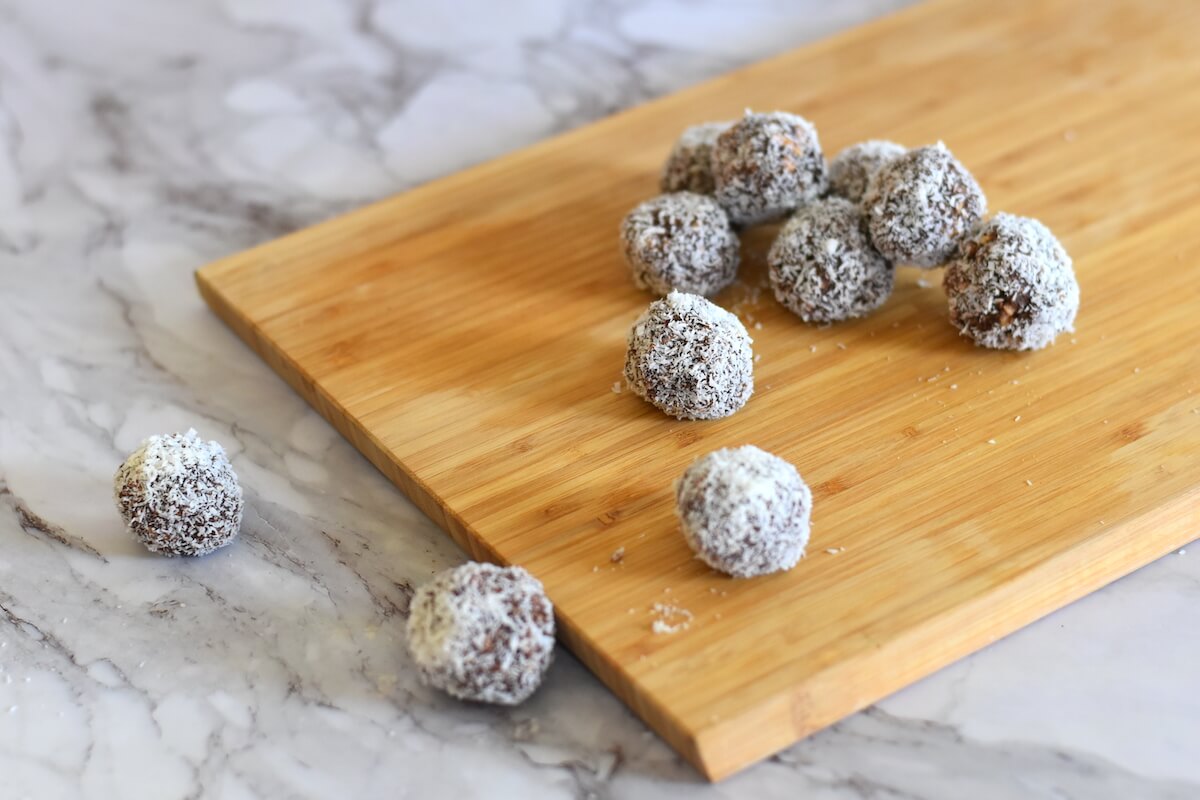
{"x":841,"y":346}
{"x":595,"y":569}
{"x":616,"y":387}
{"x":991,"y":441}
{"x":618,"y":555}
{"x":833,"y":551}
{"x":758,"y":326}
{"x":526,"y":729}
{"x":812,"y":348}
{"x":1017,"y":418}
{"x":757,"y":357}
{"x":1015,"y":382}
{"x":954,"y":386}
{"x":1028,"y":482}
{"x":1136,"y":370}
{"x":1183,"y":551}
{"x":670,"y":618}
{"x":924,"y":284}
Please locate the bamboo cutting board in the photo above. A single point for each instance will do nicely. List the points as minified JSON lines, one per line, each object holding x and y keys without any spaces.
{"x":466,"y":337}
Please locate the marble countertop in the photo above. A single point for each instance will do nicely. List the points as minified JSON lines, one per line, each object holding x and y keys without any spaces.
{"x":140,"y":139}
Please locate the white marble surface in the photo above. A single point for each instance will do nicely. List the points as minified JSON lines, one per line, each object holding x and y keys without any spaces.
{"x":140,"y":139}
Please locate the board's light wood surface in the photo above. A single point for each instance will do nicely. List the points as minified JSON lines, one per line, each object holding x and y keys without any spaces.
{"x":466,"y":336}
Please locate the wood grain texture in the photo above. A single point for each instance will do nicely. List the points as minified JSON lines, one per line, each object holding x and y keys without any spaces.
{"x":466,"y":335}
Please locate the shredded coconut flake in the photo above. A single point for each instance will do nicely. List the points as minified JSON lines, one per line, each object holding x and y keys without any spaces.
{"x":670,"y":618}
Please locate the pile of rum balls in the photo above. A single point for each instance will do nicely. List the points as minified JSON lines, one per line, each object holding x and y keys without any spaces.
{"x":846,"y":225}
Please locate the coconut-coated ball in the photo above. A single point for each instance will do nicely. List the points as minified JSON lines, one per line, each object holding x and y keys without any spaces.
{"x":851,"y":169}
{"x":690,"y":358}
{"x":766,"y":165}
{"x":920,"y":204}
{"x":179,"y":495}
{"x":481,"y":632}
{"x":744,"y":511}
{"x":823,"y":267}
{"x":680,"y":241}
{"x":689,"y":166}
{"x":1011,"y":285}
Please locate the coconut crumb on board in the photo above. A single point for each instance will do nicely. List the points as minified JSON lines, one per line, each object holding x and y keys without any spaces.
{"x":1028,"y":482}
{"x":924,"y":284}
{"x":833,"y":551}
{"x":670,"y":618}
{"x":616,"y":387}
{"x":991,"y":441}
{"x":618,"y":555}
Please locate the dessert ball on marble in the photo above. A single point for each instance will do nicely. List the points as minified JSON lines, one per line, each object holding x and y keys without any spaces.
{"x":680,"y":241}
{"x":179,"y":495}
{"x":481,"y":632}
{"x":851,"y":169}
{"x":1011,"y":285}
{"x":744,"y":511}
{"x":689,"y":166}
{"x":920,"y":204}
{"x":823,"y":267}
{"x":689,"y":358}
{"x":766,"y":165}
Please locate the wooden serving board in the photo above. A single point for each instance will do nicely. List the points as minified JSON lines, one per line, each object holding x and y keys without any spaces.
{"x":466,"y":337}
